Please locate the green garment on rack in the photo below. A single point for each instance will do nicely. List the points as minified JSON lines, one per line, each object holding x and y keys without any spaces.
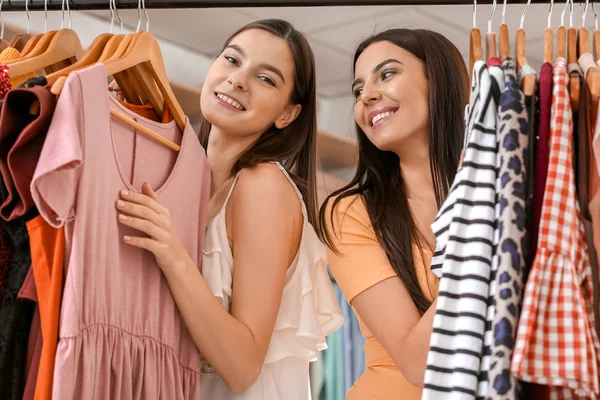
{"x":333,"y":363}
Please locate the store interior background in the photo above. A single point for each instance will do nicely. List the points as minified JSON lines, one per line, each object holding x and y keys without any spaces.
{"x":191,"y":38}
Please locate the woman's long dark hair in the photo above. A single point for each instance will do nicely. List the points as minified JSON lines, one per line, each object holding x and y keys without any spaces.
{"x":378,"y":178}
{"x":295,"y":145}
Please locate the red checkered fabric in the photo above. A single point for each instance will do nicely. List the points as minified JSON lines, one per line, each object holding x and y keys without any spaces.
{"x":556,"y":344}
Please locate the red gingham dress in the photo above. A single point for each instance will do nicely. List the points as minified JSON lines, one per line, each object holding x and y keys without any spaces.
{"x":556,"y":343}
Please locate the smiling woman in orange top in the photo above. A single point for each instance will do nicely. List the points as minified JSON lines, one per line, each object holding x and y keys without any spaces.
{"x":411,"y":88}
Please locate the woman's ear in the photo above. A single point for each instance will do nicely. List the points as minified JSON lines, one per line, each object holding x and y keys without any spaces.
{"x":289,"y":115}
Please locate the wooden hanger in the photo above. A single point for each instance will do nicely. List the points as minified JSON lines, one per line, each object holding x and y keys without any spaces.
{"x":476,"y":51}
{"x":116,"y":48}
{"x":90,"y":56}
{"x":142,"y":129}
{"x":528,"y":83}
{"x":65,"y":45}
{"x":110,"y":47}
{"x":490,"y":37}
{"x":504,"y":42}
{"x":146,"y":51}
{"x":548,"y":45}
{"x":143,"y":82}
{"x":549,"y":37}
{"x":490,"y":41}
{"x":583,"y":41}
{"x":34,"y":50}
{"x":136,"y":84}
{"x":19,"y":41}
{"x":31,"y":44}
{"x":574,"y":83}
{"x":561,"y":42}
{"x":475,"y":45}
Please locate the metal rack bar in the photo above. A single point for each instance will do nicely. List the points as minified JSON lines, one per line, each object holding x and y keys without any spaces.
{"x":19,"y":5}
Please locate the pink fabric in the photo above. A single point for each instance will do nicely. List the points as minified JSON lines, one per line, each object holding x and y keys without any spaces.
{"x":121,"y":335}
{"x":494,"y":61}
{"x":586,"y":61}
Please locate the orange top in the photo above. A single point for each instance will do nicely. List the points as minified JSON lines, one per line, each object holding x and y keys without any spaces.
{"x":361,"y":264}
{"x":147,"y":111}
{"x":47,"y":255}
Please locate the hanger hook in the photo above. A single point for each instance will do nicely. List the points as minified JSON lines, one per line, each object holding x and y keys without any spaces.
{"x":146,"y":15}
{"x":142,"y":5}
{"x":112,"y":16}
{"x":139,"y":24}
{"x":550,"y":13}
{"x":523,"y":14}
{"x":114,"y":2}
{"x":1,"y":21}
{"x":62,"y":10}
{"x":491,"y":16}
{"x":474,"y":13}
{"x":28,"y":16}
{"x":571,"y":14}
{"x":45,"y":16}
{"x":585,"y":10}
{"x":595,"y":16}
{"x":562,"y":14}
{"x":69,"y":12}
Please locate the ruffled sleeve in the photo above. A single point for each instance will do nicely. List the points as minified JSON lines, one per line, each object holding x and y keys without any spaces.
{"x":309,"y":310}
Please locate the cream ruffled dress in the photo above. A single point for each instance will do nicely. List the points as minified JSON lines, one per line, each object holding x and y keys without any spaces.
{"x":308,"y":313}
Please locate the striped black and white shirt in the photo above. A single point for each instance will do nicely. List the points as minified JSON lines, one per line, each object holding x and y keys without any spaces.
{"x":464,"y":230}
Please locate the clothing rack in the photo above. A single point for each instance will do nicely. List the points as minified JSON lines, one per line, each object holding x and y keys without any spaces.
{"x":14,"y":5}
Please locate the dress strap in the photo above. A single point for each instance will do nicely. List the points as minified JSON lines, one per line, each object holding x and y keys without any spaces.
{"x":231,"y":189}
{"x":289,"y":178}
{"x":291,"y":181}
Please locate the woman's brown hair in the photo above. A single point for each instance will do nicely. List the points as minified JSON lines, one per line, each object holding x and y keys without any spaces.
{"x":295,"y":145}
{"x":378,"y":179}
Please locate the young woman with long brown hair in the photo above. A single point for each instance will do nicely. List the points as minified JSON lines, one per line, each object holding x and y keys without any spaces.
{"x":411,"y":88}
{"x":261,"y":308}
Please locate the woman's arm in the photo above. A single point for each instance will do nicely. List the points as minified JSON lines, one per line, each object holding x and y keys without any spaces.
{"x":389,"y":312}
{"x":379,"y":297}
{"x":265,"y":214}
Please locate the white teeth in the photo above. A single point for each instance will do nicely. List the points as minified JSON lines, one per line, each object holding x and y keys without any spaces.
{"x":381,"y":116}
{"x":230,"y":101}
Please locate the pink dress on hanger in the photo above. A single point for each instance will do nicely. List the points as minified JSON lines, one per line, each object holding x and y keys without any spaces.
{"x":121,"y":335}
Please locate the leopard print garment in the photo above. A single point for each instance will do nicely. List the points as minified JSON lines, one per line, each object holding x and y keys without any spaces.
{"x":511,"y":194}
